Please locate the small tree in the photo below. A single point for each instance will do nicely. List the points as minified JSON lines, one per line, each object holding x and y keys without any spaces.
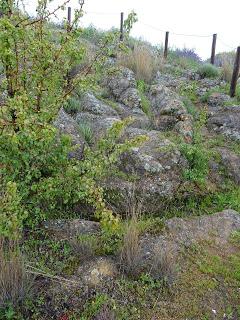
{"x":35,"y":84}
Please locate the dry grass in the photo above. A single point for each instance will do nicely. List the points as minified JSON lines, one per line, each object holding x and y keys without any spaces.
{"x":225,"y":60}
{"x":130,"y":252}
{"x":164,"y":265}
{"x":14,"y":281}
{"x":227,"y":69}
{"x":142,"y":61}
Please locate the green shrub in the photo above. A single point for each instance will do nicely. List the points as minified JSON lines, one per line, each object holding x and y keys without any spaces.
{"x":208,"y":71}
{"x":37,"y":177}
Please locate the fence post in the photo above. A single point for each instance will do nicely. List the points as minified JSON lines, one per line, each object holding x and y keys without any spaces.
{"x":69,"y":18}
{"x":214,"y":41}
{"x":121,"y":26}
{"x":166,"y":45}
{"x":235,"y":74}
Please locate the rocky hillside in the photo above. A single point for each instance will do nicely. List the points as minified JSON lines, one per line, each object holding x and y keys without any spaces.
{"x":160,"y":266}
{"x":120,"y":178}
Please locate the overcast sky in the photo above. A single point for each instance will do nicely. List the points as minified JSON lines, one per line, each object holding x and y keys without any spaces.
{"x":203,"y":17}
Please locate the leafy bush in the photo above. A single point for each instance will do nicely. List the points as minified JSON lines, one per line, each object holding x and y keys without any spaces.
{"x":37,"y":177}
{"x":189,"y":90}
{"x":208,"y":71}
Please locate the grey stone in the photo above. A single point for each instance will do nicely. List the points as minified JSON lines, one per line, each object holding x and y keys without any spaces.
{"x":61,"y":228}
{"x":99,"y":125}
{"x":122,"y":85}
{"x":169,"y":111}
{"x":89,"y":103}
{"x":231,"y":162}
{"x":161,"y":255}
{"x":157,"y":166}
{"x":225,"y":120}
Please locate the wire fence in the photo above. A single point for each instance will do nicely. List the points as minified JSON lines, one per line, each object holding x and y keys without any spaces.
{"x":221,"y":44}
{"x":170,"y":33}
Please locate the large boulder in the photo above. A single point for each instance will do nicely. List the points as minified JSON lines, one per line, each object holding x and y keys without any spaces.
{"x":61,"y":229}
{"x":67,"y":125}
{"x":161,"y":255}
{"x":225,"y":120}
{"x":154,"y":169}
{"x":231,"y":161}
{"x":169,"y":111}
{"x":122,"y":85}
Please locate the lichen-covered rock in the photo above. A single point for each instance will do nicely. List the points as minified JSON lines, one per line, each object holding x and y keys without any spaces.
{"x":67,"y":125}
{"x":122,"y":85}
{"x":162,"y":253}
{"x":140,"y":119}
{"x":204,"y":85}
{"x":68,"y":228}
{"x":157,"y":164}
{"x":218,"y":99}
{"x":169,"y":111}
{"x":169,"y":80}
{"x":95,"y":272}
{"x":225,"y":120}
{"x":90,"y":104}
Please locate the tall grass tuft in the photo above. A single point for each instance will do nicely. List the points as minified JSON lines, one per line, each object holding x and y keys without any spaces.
{"x":15,"y":283}
{"x":142,"y":61}
{"x":130,"y":252}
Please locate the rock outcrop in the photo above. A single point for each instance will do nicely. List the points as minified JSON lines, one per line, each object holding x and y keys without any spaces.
{"x":169,"y":111}
{"x":225,"y":120}
{"x":231,"y":161}
{"x":164,"y":251}
{"x":122,"y":85}
{"x":154,"y":170}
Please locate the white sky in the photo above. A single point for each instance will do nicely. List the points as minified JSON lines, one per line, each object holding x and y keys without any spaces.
{"x":203,"y":17}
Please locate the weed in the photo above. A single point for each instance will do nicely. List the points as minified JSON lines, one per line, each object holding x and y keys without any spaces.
{"x":145,"y":103}
{"x":86,"y":131}
{"x":196,"y":154}
{"x":72,"y":106}
{"x":191,"y":109}
{"x":189,"y":90}
{"x":85,"y":245}
{"x":93,"y":307}
{"x":130,"y":252}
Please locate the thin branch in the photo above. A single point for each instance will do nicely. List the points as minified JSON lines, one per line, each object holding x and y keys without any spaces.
{"x":45,"y":17}
{"x":39,"y":272}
